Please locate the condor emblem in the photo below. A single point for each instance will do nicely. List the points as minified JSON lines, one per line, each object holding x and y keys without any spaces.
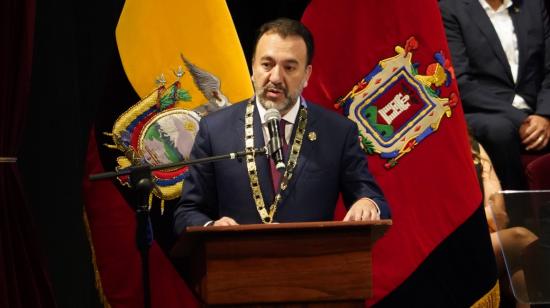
{"x":395,"y":107}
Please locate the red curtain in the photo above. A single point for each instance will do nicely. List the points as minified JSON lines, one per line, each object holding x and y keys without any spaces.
{"x":23,"y":279}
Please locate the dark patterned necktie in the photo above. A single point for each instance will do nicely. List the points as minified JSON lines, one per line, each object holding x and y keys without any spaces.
{"x":275,"y":174}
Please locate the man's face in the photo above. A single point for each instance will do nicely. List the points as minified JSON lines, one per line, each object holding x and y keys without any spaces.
{"x":279,"y":71}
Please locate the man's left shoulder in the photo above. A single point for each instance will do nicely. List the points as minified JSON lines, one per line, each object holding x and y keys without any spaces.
{"x":322,"y":113}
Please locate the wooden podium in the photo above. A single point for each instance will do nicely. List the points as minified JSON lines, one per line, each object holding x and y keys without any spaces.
{"x":312,"y":264}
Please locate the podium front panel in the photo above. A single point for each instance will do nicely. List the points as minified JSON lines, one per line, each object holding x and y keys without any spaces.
{"x":302,"y":262}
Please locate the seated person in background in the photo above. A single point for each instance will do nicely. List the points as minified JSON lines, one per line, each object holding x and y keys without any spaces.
{"x":512,"y":240}
{"x":324,"y":158}
{"x":500,"y":50}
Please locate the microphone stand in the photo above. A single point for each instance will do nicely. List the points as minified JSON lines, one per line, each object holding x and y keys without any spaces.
{"x":142,"y":183}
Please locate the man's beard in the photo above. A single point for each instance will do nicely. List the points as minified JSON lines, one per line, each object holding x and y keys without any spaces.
{"x":284,"y":106}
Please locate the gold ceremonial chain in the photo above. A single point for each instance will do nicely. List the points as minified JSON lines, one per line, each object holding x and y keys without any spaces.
{"x":253,"y":170}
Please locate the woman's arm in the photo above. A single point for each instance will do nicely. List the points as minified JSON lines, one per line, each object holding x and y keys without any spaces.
{"x":495,"y":209}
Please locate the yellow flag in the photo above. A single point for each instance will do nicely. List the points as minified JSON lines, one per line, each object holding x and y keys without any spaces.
{"x":152,"y":34}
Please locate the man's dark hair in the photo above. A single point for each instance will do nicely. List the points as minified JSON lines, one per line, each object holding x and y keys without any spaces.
{"x":287,"y":27}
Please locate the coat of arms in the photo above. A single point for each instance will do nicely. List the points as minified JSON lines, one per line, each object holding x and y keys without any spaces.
{"x":159,"y":129}
{"x":395,"y":107}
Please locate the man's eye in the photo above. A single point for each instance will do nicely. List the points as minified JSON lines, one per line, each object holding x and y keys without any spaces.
{"x":266,"y":65}
{"x":290,"y":68}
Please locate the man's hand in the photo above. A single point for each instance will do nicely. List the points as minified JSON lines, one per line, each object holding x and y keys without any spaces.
{"x":225,"y":221}
{"x":363,"y":209}
{"x":535,"y":132}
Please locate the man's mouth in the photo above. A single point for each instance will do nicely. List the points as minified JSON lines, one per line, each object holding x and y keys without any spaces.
{"x":272,"y":92}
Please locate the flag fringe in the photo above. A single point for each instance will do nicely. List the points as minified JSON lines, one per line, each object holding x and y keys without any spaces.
{"x":489,"y":300}
{"x":98,"y":284}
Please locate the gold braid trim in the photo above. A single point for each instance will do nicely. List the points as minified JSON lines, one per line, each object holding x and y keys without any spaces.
{"x":489,"y":300}
{"x":98,"y":284}
{"x":124,"y":120}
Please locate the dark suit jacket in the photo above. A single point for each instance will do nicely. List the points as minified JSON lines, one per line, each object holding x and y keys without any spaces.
{"x":332,"y":163}
{"x":482,"y":70}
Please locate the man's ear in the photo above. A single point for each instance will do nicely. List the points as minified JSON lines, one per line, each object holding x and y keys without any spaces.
{"x":309,"y":68}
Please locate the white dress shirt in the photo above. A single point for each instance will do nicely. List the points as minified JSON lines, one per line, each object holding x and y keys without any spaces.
{"x":289,"y":117}
{"x":504,"y":27}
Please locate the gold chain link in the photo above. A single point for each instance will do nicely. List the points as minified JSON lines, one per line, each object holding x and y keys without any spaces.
{"x":267,"y":217}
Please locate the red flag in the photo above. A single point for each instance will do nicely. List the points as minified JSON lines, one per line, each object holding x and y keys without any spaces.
{"x":388,"y":65}
{"x":116,"y":257}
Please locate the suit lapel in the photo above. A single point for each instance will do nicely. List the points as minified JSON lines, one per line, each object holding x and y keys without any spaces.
{"x":262,"y":162}
{"x":307,"y":147}
{"x":520,"y":18}
{"x":484,"y":24}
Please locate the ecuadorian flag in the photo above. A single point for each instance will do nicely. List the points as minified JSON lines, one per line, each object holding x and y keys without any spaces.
{"x":150,"y":36}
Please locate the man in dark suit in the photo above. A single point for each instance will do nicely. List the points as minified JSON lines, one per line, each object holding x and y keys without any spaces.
{"x":501,"y":55}
{"x":324,"y":156}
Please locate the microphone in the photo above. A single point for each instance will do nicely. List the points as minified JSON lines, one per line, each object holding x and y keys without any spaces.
{"x":272,"y":118}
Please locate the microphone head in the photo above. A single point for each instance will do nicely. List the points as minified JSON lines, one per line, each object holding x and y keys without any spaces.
{"x":272,"y":114}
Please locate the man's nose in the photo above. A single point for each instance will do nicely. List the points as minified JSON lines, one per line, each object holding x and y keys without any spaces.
{"x":275,"y":77}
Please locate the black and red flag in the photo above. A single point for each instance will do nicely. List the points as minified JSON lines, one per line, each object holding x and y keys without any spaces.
{"x":386,"y":66}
